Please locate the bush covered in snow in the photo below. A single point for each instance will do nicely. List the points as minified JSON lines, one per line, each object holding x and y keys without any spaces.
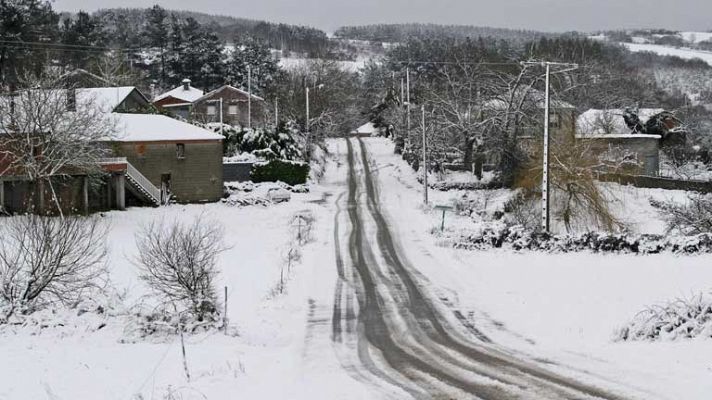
{"x":499,"y":235}
{"x":163,"y":324}
{"x":265,"y":143}
{"x":678,"y":319}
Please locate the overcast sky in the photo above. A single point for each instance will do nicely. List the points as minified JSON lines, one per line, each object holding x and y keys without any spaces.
{"x":549,"y":15}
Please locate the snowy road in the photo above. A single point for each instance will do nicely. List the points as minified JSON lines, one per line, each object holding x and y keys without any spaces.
{"x":390,"y":333}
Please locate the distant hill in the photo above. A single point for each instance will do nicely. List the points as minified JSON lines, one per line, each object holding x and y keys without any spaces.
{"x":392,"y":33}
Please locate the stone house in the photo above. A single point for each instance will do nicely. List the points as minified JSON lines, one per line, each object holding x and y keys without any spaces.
{"x":633,"y":137}
{"x":238,"y":107}
{"x":151,"y":159}
{"x":190,"y":103}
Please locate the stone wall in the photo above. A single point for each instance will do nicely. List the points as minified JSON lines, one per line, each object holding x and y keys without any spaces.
{"x":196,"y":177}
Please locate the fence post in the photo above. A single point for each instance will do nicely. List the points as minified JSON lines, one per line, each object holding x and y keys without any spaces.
{"x":225,"y":313}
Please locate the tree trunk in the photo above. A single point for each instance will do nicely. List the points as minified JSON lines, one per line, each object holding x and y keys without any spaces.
{"x":468,"y":153}
{"x":479,"y":161}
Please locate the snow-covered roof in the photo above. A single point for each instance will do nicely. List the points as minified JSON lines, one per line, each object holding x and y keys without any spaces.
{"x":211,"y":93}
{"x":533,"y":96}
{"x":107,"y":99}
{"x":189,"y":96}
{"x":157,"y":128}
{"x":610,"y":122}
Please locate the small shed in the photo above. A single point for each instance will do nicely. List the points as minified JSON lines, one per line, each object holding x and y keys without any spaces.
{"x":366,"y":130}
{"x":611,"y":134}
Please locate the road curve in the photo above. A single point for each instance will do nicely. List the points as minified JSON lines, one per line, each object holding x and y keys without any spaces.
{"x":396,"y":332}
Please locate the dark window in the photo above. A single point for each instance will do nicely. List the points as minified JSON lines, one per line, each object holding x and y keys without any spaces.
{"x":180,"y":150}
{"x":71,"y":100}
{"x":554,"y":122}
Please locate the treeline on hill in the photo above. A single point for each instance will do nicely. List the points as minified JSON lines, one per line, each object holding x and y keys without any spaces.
{"x":285,"y":37}
{"x":169,"y":45}
{"x":162,"y":50}
{"x":397,"y":33}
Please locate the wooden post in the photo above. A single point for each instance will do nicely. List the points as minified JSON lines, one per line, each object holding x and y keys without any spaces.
{"x":109,"y":183}
{"x":121,"y":192}
{"x":225,"y":313}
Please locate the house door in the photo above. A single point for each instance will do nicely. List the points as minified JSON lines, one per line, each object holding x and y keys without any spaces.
{"x":165,"y":187}
{"x":651,"y":166}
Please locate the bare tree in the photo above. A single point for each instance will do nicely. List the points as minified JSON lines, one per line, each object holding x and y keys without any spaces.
{"x":48,"y":132}
{"x":179,"y":262}
{"x":691,"y":217}
{"x":45,"y":259}
{"x":579,"y":200}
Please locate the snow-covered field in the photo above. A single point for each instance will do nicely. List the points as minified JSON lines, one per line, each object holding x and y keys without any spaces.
{"x":562,"y":308}
{"x":282,"y":349}
{"x":683,"y":53}
{"x":349,"y":66}
{"x":696,"y":37}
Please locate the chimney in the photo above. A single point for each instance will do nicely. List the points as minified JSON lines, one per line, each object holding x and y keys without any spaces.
{"x":186,"y":84}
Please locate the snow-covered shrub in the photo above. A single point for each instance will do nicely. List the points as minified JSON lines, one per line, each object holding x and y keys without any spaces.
{"x":266,"y":143}
{"x":46,"y":260}
{"x":678,"y":319}
{"x":163,"y":324}
{"x":523,"y":210}
{"x":490,"y":235}
{"x":290,"y":172}
{"x":689,"y":218}
{"x":178,"y":261}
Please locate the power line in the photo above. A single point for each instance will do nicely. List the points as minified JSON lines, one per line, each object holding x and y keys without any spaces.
{"x":509,"y":63}
{"x":62,"y":46}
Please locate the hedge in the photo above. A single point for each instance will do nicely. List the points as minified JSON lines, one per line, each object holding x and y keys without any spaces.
{"x":289,"y":172}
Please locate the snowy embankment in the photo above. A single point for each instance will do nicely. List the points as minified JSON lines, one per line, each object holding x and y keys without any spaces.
{"x":687,"y":54}
{"x":564,"y":309}
{"x":278,"y":348}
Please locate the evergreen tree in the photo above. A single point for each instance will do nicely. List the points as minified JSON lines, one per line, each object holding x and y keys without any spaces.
{"x":25,"y":21}
{"x":174,"y":60}
{"x":84,"y":37}
{"x":199,"y":57}
{"x":256,"y":55}
{"x":157,"y":35}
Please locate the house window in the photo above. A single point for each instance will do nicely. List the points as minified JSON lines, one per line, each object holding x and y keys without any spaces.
{"x":180,"y":151}
{"x":232,"y":109}
{"x":212,"y":110}
{"x":554,"y":121}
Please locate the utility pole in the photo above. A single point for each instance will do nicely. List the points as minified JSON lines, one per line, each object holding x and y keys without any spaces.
{"x":276,"y":112}
{"x":307,"y":121}
{"x":425,"y":157}
{"x":545,"y":185}
{"x":545,"y":198}
{"x":249,"y":97}
{"x":407,"y":104}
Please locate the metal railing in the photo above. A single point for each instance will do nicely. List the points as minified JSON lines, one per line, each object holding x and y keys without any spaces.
{"x":143,"y":183}
{"x":113,"y":160}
